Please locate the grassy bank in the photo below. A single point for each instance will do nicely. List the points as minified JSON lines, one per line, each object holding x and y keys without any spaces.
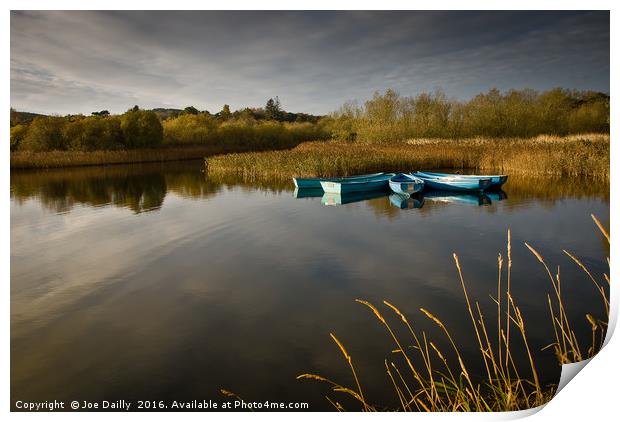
{"x":584,"y":155}
{"x":426,"y":378}
{"x":53,"y":159}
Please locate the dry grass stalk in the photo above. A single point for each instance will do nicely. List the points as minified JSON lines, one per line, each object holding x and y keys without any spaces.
{"x":505,"y":388}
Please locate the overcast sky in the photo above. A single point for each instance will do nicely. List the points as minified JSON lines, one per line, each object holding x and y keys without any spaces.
{"x":79,"y":62}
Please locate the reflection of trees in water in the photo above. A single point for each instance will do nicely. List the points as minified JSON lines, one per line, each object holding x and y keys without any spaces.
{"x":192,"y":185}
{"x":140,"y":188}
{"x":139,"y":193}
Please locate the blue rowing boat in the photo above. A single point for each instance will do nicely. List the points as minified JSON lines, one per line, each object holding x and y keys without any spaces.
{"x":380,"y":182}
{"x":315,"y":182}
{"x":454,"y":183}
{"x":497,"y":180}
{"x":406,"y":184}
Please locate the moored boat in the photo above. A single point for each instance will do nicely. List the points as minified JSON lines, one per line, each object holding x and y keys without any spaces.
{"x":406,"y":184}
{"x":454,"y":183}
{"x":315,"y":182}
{"x":497,"y":180}
{"x":379,"y":182}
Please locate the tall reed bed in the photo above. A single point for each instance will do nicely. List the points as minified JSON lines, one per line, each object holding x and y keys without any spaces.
{"x":440,"y":380}
{"x":55,"y":159}
{"x":52,"y":159}
{"x":575,"y":156}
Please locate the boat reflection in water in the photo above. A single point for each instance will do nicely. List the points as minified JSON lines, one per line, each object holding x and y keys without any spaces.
{"x":406,"y":201}
{"x":466,"y":199}
{"x":497,"y":195}
{"x":308,"y":193}
{"x":403,"y":201}
{"x":347,"y":198}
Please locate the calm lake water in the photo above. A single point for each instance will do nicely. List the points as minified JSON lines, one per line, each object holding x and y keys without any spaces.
{"x":156,"y":282}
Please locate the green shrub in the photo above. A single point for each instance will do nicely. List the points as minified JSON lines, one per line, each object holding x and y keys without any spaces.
{"x":18,"y":133}
{"x":243,"y":131}
{"x":190,"y":129}
{"x":94,"y":133}
{"x":141,"y":129}
{"x":44,"y":134}
{"x":589,"y":118}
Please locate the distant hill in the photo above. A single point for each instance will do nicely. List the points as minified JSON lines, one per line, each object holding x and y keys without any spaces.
{"x":164,"y":113}
{"x":18,"y":117}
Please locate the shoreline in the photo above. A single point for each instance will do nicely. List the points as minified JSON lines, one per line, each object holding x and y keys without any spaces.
{"x":585,"y":156}
{"x":26,"y":160}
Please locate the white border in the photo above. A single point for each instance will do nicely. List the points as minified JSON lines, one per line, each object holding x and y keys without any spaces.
{"x":590,"y":396}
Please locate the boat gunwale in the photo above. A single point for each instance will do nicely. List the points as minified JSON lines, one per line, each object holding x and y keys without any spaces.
{"x":472,"y":176}
{"x":355,"y":182}
{"x":455,"y":183}
{"x":406,"y":178}
{"x":459,"y":183}
{"x":330,"y":179}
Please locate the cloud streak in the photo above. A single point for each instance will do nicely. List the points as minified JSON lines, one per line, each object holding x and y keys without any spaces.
{"x":79,"y":61}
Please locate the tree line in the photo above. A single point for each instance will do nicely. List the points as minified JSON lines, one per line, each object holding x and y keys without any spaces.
{"x":385,"y":117}
{"x":138,"y":128}
{"x":515,"y":113}
{"x":272,"y":111}
{"x":134,"y":129}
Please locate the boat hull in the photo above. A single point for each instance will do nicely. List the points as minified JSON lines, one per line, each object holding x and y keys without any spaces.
{"x":456,"y":184}
{"x":497,"y":180}
{"x":349,"y":186}
{"x":315,"y":182}
{"x":307,"y":183}
{"x":406,"y":184}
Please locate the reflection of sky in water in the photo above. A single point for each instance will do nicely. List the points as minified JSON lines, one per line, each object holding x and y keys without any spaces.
{"x":240,"y":289}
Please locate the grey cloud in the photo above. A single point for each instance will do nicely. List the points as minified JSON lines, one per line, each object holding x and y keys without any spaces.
{"x":81,"y":61}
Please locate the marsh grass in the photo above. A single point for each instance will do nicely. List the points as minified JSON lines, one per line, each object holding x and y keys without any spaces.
{"x":55,"y":159}
{"x":439,"y":380}
{"x":584,"y":156}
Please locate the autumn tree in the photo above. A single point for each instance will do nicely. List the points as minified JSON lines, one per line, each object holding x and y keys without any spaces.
{"x":273,"y":110}
{"x":141,"y":129}
{"x":190,"y":110}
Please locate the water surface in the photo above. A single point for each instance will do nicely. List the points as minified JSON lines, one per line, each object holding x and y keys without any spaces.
{"x":157,"y":282}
